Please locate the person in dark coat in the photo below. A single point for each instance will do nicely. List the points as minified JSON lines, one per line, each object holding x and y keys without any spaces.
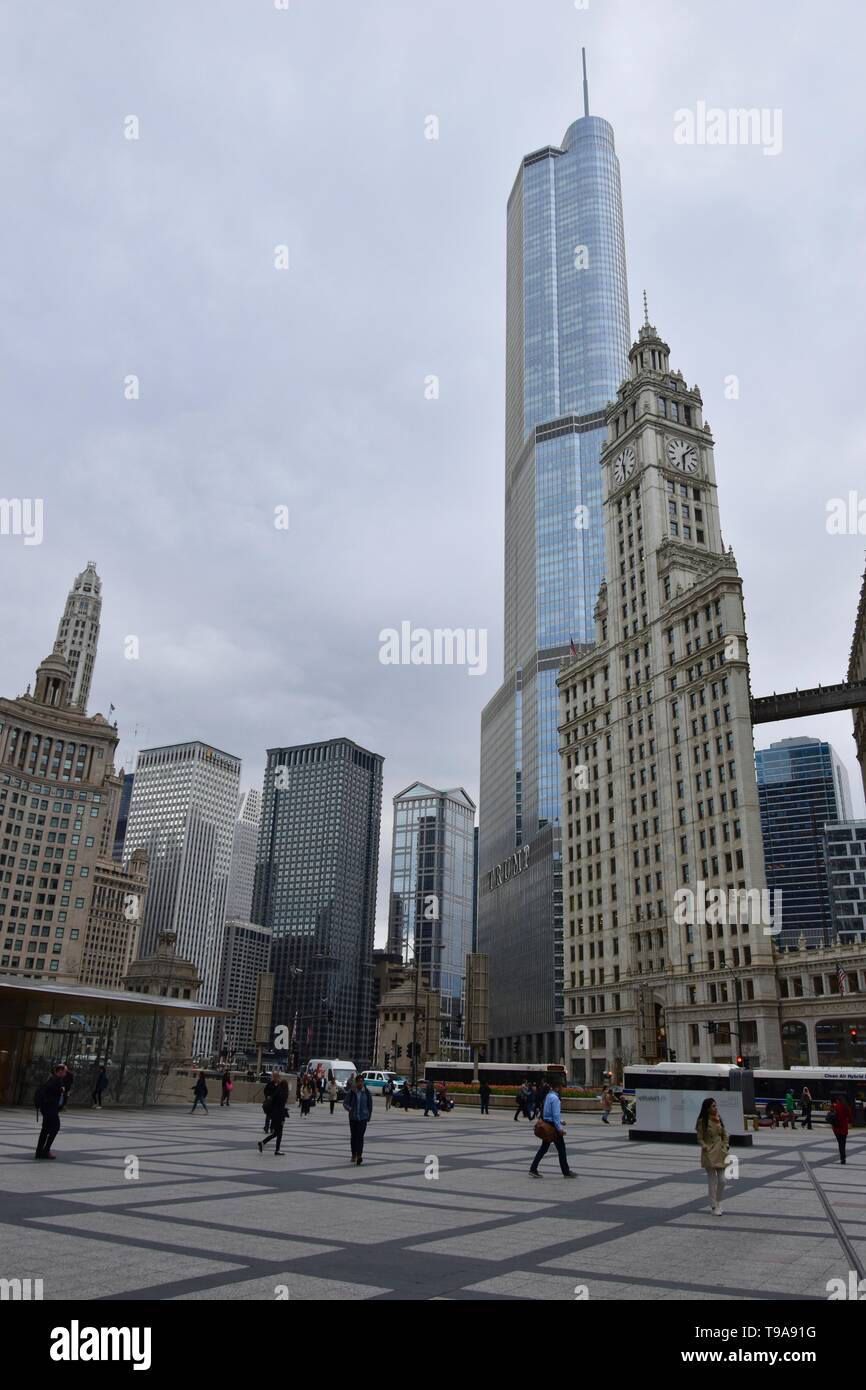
{"x":227,"y":1087}
{"x":840,"y":1118}
{"x":484,"y":1093}
{"x":430,"y":1101}
{"x":806,"y":1107}
{"x":50,"y":1101}
{"x":406,"y":1097}
{"x":278,"y":1109}
{"x":199,"y":1091}
{"x":359,"y":1104}
{"x":99,"y":1086}
{"x":270,"y":1088}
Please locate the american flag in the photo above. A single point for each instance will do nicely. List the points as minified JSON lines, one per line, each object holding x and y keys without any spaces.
{"x":843,"y":979}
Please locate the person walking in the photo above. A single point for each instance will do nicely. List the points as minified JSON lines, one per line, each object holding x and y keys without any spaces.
{"x":299,"y":1081}
{"x":270,"y":1089}
{"x":484,"y":1094}
{"x":713,"y":1139}
{"x":551,"y":1130}
{"x":359,"y":1104}
{"x":806,"y":1107}
{"x":332,"y":1092}
{"x":406,"y":1097}
{"x":199,"y":1091}
{"x":840,"y":1118}
{"x":49,"y":1101}
{"x":520,"y":1100}
{"x":606,"y":1105}
{"x":278,"y":1109}
{"x":227,"y":1087}
{"x":99,"y":1086}
{"x":307,"y":1094}
{"x":790,"y":1108}
{"x":388,"y":1093}
{"x":430,"y":1100}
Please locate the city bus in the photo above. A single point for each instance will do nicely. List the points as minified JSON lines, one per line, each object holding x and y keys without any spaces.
{"x":496,"y":1073}
{"x":668,"y":1098}
{"x":824,"y":1083}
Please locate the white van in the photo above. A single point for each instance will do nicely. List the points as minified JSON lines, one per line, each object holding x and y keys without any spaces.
{"x":339,"y":1067}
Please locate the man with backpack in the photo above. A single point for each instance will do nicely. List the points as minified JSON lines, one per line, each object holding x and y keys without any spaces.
{"x":49,"y":1100}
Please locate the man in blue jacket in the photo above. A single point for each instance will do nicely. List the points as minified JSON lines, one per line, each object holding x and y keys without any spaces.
{"x":359,"y":1104}
{"x":552,"y":1116}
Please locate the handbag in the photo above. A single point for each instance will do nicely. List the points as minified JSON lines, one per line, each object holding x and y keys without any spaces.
{"x":544,"y":1131}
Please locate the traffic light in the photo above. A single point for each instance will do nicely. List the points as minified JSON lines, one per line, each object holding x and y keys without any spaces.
{"x":387,"y":1061}
{"x":672,"y":1056}
{"x":852,"y":1034}
{"x":741,"y":1061}
{"x":712,"y":1027}
{"x":399,"y":1051}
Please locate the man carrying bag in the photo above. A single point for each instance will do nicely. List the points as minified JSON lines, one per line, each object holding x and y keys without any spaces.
{"x":550,"y":1130}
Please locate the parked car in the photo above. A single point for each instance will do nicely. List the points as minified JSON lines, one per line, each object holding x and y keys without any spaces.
{"x":418,"y":1098}
{"x":377,"y":1080}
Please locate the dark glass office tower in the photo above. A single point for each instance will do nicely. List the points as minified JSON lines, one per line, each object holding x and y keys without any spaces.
{"x":567,"y":341}
{"x":802,"y":786}
{"x":316,"y":867}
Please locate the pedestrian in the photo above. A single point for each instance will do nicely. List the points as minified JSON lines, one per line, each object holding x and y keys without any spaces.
{"x":277,"y":1112}
{"x":67,"y":1079}
{"x":49,"y":1101}
{"x":790,"y":1104}
{"x":551,"y":1130}
{"x":99,"y":1087}
{"x":840,"y":1118}
{"x":270,"y":1089}
{"x":307,"y":1095}
{"x":484,"y":1093}
{"x":606,"y":1105}
{"x":228,"y":1087}
{"x":442,"y":1097}
{"x":623,"y":1105}
{"x":521,"y":1100}
{"x":406,"y":1097}
{"x":332,"y":1091}
{"x":359,"y":1104}
{"x":713,"y":1139}
{"x":388,"y":1093}
{"x":322,"y":1086}
{"x":806,"y":1107}
{"x":299,"y":1081}
{"x":199,"y":1091}
{"x":430,"y":1100}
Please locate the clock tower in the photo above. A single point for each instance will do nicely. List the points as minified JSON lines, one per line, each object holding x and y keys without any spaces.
{"x":659,"y":795}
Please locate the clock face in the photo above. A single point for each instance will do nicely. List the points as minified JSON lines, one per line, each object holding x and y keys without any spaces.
{"x":623,"y":465}
{"x":682,"y":455}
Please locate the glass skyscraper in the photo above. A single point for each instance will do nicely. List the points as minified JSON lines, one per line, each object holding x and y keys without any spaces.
{"x":802,"y":786}
{"x":430,"y":914}
{"x":316,"y":868}
{"x":567,"y":342}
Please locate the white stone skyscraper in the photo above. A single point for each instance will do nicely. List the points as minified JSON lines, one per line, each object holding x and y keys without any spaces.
{"x":239,"y":899}
{"x":78,"y":632}
{"x":182,"y":814}
{"x":661,"y":821}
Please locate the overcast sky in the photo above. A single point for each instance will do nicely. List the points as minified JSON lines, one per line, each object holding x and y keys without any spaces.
{"x":305,"y":387}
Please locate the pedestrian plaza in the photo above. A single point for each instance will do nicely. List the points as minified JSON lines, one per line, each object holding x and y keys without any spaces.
{"x":441,"y":1209}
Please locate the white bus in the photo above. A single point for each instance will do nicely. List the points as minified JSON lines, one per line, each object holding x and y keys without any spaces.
{"x":824,"y":1084}
{"x":669,"y":1095}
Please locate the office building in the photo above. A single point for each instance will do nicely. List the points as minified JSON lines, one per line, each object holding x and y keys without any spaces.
{"x":567,"y":339}
{"x":239,"y":899}
{"x":802,"y":785}
{"x":857,"y":672}
{"x":317,"y":863}
{"x":668,"y":919}
{"x":844,"y":852}
{"x":78,"y":633}
{"x":182,"y":814}
{"x":58,"y":794}
{"x":431,"y":903}
{"x":246,"y":956}
{"x":114,"y":921}
{"x":122,"y":816}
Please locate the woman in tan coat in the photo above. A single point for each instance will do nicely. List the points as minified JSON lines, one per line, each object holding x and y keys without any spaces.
{"x":713,"y":1139}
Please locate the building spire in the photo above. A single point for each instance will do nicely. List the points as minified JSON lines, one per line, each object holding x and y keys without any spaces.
{"x":645,"y":312}
{"x":585,"y":84}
